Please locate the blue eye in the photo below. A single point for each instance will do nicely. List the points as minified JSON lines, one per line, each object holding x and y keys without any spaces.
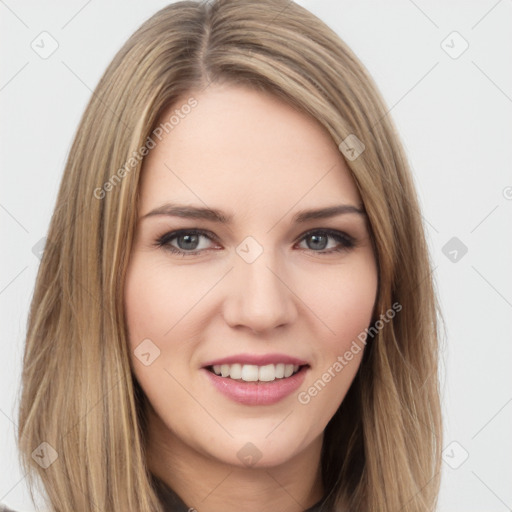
{"x":187,"y":241}
{"x":191,"y":242}
{"x":318,"y":241}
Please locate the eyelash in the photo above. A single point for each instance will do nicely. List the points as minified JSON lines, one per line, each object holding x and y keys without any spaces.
{"x":347,"y":242}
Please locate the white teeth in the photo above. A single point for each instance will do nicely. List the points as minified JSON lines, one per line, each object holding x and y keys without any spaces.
{"x":235,"y":371}
{"x":288,"y":370}
{"x":249,"y":372}
{"x":253,"y":373}
{"x":267,"y":373}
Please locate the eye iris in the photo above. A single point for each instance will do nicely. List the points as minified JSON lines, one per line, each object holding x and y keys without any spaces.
{"x":318,"y":242}
{"x":190,"y":241}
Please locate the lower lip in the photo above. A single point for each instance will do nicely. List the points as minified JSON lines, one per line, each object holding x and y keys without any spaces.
{"x":257,"y":393}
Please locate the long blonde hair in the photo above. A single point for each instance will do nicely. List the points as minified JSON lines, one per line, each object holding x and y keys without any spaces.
{"x":381,"y":449}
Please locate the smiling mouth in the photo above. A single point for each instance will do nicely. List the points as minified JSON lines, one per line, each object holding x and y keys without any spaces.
{"x":255,"y":373}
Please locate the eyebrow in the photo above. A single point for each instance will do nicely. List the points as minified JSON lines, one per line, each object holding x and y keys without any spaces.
{"x":214,"y":215}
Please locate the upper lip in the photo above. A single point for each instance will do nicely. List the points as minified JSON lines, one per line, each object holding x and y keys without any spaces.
{"x":257,"y":359}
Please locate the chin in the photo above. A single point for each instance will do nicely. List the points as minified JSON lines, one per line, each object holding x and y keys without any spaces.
{"x":261,"y":450}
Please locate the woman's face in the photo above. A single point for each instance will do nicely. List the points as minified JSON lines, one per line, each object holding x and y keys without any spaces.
{"x":232,"y":272}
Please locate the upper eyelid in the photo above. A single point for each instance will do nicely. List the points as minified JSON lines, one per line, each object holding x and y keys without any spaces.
{"x":329,"y":231}
{"x":202,"y":232}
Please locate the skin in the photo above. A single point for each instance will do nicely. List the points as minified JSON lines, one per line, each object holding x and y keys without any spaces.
{"x":261,"y":161}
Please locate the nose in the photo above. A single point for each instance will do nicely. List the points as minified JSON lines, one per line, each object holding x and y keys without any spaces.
{"x":259,"y":297}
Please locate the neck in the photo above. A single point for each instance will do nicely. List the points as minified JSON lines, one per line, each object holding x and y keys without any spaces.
{"x":209,"y":485}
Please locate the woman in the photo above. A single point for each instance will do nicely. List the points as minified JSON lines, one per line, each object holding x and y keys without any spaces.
{"x":234,"y":309}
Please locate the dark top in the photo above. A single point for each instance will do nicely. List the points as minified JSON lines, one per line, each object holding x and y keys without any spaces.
{"x":173,"y":503}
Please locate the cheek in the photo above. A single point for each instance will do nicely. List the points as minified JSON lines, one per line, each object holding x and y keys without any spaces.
{"x":145,"y":303}
{"x":156,"y":299}
{"x":337,"y":301}
{"x":342,"y":299}
{"x":351,"y":308}
{"x":153,"y":306}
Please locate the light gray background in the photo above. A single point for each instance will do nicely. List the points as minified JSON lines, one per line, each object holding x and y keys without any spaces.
{"x":454,"y":115}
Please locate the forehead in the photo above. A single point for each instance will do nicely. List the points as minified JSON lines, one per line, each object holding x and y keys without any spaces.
{"x":245,"y":148}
